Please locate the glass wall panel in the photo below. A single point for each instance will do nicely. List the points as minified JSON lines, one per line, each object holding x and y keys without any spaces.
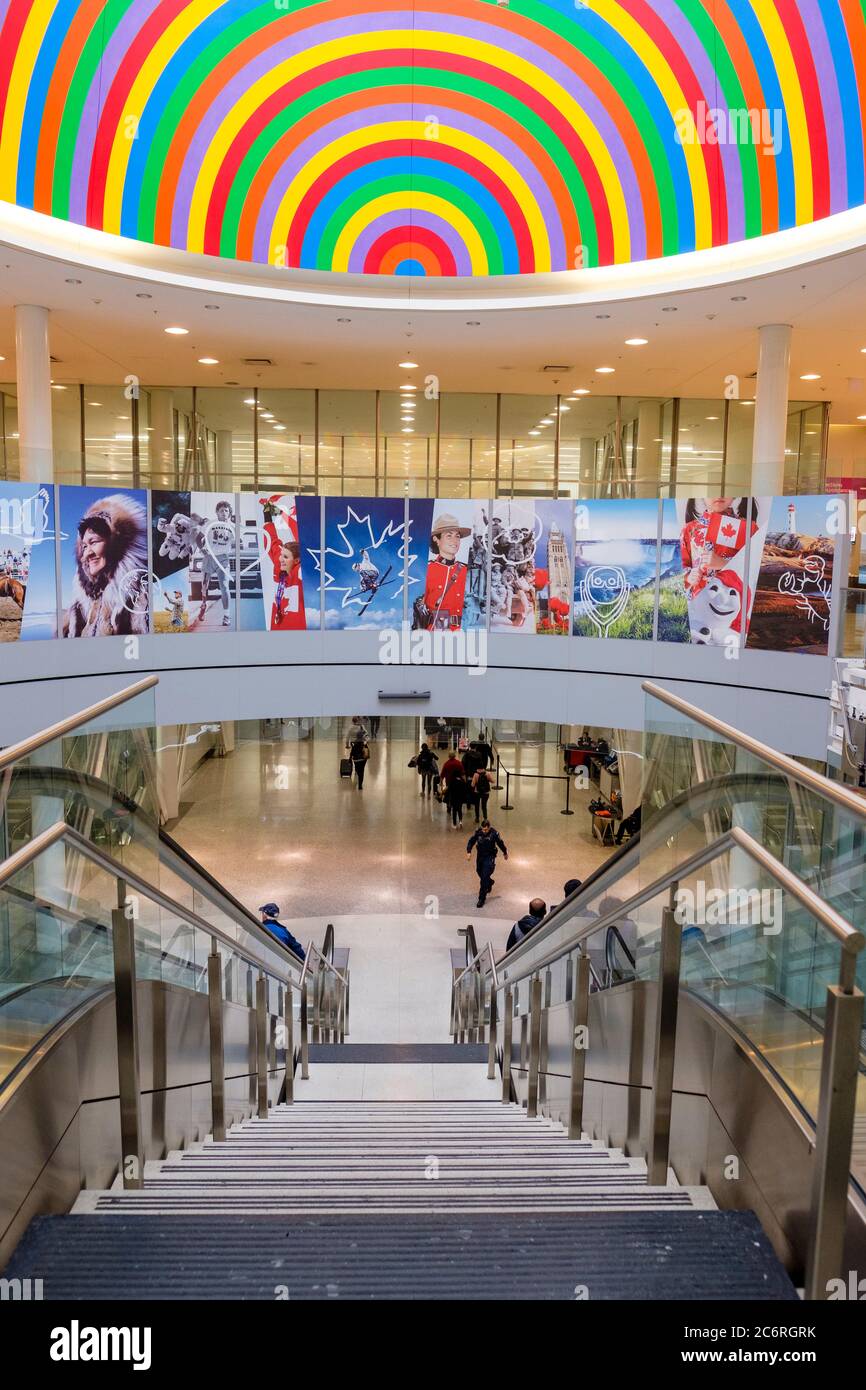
{"x":407,"y":444}
{"x":738,"y":453}
{"x":467,"y":444}
{"x":8,"y":432}
{"x":347,"y":441}
{"x":108,"y":437}
{"x":700,"y":448}
{"x":527,"y":438}
{"x":286,"y":439}
{"x":224,"y":457}
{"x":583,"y":426}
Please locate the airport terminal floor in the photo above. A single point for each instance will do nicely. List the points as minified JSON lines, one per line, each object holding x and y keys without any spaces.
{"x":432,"y":683}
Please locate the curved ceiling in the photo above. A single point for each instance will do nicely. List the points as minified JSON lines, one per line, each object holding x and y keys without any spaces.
{"x":449,"y":138}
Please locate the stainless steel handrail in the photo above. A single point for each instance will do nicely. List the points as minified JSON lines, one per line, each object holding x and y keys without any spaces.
{"x":16,"y":751}
{"x":850,"y":939}
{"x":313,"y":949}
{"x":812,"y":781}
{"x":474,"y":961}
{"x":122,"y":873}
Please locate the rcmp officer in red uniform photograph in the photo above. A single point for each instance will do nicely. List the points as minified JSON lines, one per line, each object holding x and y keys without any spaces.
{"x":441,"y":608}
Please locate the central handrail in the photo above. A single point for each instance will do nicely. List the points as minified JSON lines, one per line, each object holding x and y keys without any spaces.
{"x":60,"y":831}
{"x":313,"y":949}
{"x":812,"y":781}
{"x":474,"y":961}
{"x":16,"y":751}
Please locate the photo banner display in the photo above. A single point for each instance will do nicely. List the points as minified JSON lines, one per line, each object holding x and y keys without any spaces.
{"x":194,"y":545}
{"x":104,"y":562}
{"x":530,"y":566}
{"x":792,"y":605}
{"x":447,"y":565}
{"x":363,"y":566}
{"x":616,"y":553}
{"x":718,"y":571}
{"x":705,"y":549}
{"x":28,"y":592}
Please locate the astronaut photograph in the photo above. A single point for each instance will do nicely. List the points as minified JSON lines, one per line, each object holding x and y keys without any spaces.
{"x":194,"y":548}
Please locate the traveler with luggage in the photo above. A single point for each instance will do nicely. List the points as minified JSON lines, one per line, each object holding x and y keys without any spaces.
{"x":456,"y":789}
{"x":486,"y":841}
{"x":359,"y":752}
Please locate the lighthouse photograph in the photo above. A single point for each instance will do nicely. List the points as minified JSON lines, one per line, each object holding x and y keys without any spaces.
{"x":792,"y":607}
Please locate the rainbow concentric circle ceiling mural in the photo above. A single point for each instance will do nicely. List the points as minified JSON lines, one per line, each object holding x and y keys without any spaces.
{"x":456,"y":137}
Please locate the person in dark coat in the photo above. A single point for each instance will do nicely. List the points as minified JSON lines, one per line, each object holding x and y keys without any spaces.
{"x":456,"y":789}
{"x":359,"y":753}
{"x":427,"y":764}
{"x":537,"y":912}
{"x":486,"y":841}
{"x":270,"y":914}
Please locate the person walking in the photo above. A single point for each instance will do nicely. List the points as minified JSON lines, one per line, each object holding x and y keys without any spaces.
{"x":426,"y":764}
{"x":486,"y":841}
{"x":455,"y":797}
{"x":481,"y":791}
{"x":359,"y":752}
{"x":375,"y":721}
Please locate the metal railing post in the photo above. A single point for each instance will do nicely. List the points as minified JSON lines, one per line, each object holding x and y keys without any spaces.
{"x":290,"y":1045}
{"x":491,"y":1041}
{"x":579,"y":1043}
{"x":126,"y":1019}
{"x":262,"y":1046}
{"x":217,"y":1054}
{"x":497,"y":785}
{"x":305,"y":1034}
{"x":568,"y":811}
{"x":507,"y":1036}
{"x":834,"y":1134}
{"x":506,"y":804}
{"x":665,"y":1045}
{"x":534,"y":1046}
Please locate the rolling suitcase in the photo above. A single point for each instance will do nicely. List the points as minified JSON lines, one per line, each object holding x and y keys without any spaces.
{"x":346,"y":767}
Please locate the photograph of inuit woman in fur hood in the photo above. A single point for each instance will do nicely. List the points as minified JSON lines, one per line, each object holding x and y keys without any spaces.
{"x":109,"y":590}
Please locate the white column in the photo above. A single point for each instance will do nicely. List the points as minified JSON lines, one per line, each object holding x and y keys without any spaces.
{"x":647,"y":471}
{"x":771,"y":410}
{"x":223,"y":479}
{"x":33,"y":364}
{"x":162,"y":438}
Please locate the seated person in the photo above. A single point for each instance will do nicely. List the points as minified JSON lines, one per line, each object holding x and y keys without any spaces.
{"x":537,"y":912}
{"x":629,"y":825}
{"x":270,"y":914}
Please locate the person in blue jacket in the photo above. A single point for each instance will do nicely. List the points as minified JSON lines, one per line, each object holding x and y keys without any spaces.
{"x":270,"y":919}
{"x":486,"y":841}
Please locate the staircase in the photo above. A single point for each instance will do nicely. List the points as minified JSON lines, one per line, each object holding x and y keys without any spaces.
{"x":400,"y":1199}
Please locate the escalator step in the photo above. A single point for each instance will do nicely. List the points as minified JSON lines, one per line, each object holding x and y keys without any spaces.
{"x":631,"y":1255}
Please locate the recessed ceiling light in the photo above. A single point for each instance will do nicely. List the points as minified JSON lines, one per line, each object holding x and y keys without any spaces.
{"x":738,"y":299}
{"x":209,"y":361}
{"x":581,"y":391}
{"x":56,"y":387}
{"x":211,"y":306}
{"x":605,"y":371}
{"x":711,"y":417}
{"x":811,"y":376}
{"x":407,"y":430}
{"x":71,"y":281}
{"x":636,"y":342}
{"x":344,"y":320}
{"x":473,"y":323}
{"x":747,"y":402}
{"x":267,"y":415}
{"x":250,"y":400}
{"x":279,"y":427}
{"x":407,"y":365}
{"x":602,"y":316}
{"x":176,"y":331}
{"x":535,"y":431}
{"x":141,"y":295}
{"x":97,"y":404}
{"x":548,"y":420}
{"x":408,"y":387}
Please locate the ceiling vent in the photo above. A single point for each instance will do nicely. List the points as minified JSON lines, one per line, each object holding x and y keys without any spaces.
{"x":556,"y":367}
{"x":257,"y":361}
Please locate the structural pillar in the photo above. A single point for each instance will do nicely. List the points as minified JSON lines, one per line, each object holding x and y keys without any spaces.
{"x":771,"y":410}
{"x":33,"y":365}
